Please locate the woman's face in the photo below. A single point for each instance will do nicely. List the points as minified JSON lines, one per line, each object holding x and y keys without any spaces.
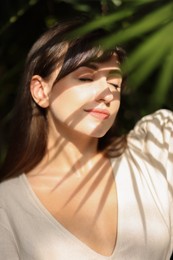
{"x":86,"y":100}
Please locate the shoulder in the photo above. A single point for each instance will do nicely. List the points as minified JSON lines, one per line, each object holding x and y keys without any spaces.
{"x":12,"y":199}
{"x":9,"y":191}
{"x":7,"y":211}
{"x":160,"y":119}
{"x":152,"y":140}
{"x":156,"y":128}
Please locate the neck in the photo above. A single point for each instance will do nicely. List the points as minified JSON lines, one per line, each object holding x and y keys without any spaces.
{"x":66,"y":152}
{"x":65,"y":141}
{"x":74,"y":148}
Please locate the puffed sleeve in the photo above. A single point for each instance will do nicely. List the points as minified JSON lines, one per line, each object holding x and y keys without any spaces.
{"x":153,"y":137}
{"x":8,"y":248}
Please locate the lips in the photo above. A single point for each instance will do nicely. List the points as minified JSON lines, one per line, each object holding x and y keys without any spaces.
{"x":98,"y":113}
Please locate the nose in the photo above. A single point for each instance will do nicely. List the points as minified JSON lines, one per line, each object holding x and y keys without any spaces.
{"x":103,"y":92}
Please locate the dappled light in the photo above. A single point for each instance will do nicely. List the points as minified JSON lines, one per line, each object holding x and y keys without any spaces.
{"x":82,"y":176}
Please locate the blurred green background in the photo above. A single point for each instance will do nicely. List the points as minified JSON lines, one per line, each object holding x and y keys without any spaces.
{"x":143,"y":27}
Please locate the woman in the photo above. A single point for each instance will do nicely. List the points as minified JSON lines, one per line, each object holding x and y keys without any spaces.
{"x":71,"y":189}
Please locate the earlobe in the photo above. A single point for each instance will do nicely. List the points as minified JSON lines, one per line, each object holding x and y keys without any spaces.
{"x":38,"y":88}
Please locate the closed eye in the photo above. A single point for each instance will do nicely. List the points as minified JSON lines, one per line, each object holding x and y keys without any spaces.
{"x":116,"y":86}
{"x":85,"y":79}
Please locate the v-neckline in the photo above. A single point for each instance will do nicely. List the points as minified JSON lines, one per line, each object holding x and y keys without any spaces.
{"x":39,"y":205}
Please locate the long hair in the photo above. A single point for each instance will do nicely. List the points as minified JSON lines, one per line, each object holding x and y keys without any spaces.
{"x":28,"y":142}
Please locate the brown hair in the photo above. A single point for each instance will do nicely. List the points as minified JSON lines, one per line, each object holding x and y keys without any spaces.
{"x":28,"y":141}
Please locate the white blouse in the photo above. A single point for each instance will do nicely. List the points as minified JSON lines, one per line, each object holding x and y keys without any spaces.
{"x":144,"y":181}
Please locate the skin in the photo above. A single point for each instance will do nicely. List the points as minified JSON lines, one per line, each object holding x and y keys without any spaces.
{"x":72,"y":165}
{"x":82,"y":90}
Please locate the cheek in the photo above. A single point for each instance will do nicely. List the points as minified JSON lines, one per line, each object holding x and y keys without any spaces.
{"x":65,"y":104}
{"x":71,"y":95}
{"x":116,"y":103}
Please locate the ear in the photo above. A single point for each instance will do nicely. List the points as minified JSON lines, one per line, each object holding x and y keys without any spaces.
{"x":40,"y":91}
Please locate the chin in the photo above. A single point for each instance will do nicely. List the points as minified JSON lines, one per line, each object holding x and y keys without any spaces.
{"x":94,"y":132}
{"x":100,"y":131}
{"x":98,"y":134}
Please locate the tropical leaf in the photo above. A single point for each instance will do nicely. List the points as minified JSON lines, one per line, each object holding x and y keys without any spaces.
{"x":165,"y":80}
{"x":147,"y":24}
{"x":149,"y":54}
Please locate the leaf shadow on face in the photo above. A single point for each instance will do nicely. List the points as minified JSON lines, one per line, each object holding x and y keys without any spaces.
{"x":95,"y":176}
{"x":139,"y":167}
{"x":99,"y":173}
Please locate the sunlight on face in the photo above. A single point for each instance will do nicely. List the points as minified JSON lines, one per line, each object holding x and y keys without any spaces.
{"x":87,"y":100}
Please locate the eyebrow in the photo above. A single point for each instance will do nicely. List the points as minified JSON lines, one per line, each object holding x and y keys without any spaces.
{"x":113,"y":72}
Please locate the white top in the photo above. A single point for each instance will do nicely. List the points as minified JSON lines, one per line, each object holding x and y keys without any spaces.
{"x":144,"y":180}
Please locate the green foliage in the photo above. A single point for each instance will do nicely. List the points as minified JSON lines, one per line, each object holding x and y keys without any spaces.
{"x":143,"y":27}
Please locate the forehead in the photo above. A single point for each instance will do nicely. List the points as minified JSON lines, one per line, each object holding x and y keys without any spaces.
{"x":112,"y":65}
{"x":92,"y":57}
